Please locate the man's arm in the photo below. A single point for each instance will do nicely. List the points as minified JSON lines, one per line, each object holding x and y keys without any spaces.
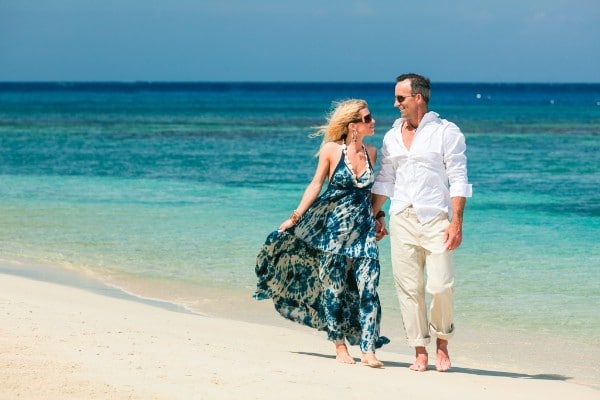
{"x":453,"y":237}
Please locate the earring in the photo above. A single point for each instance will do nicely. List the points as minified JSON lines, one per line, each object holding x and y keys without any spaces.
{"x":354,"y":135}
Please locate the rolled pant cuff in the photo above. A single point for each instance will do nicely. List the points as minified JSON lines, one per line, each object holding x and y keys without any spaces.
{"x":442,"y":335}
{"x":419,"y":342}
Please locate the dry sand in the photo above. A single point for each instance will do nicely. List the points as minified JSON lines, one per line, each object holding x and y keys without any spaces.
{"x":62,"y":342}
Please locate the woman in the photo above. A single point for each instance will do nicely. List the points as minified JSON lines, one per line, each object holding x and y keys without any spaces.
{"x":321,"y":267}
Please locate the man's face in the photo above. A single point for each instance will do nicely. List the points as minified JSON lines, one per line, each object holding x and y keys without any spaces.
{"x":404,"y":99}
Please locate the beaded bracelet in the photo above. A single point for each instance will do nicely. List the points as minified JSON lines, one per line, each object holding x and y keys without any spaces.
{"x":295,"y":217}
{"x":380,"y":214}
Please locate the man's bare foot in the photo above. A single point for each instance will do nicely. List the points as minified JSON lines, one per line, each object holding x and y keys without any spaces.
{"x":342,"y":355}
{"x":442,"y":362}
{"x":421,"y":360}
{"x":370,"y":360}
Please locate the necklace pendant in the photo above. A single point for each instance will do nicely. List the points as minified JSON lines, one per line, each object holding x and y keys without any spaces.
{"x":349,"y":163}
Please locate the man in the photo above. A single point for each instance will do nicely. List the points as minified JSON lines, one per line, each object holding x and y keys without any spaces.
{"x":424,"y":174}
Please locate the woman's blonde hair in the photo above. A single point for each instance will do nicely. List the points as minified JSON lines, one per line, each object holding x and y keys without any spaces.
{"x":342,"y":113}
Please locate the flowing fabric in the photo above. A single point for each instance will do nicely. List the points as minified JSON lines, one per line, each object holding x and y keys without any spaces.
{"x":324,"y":271}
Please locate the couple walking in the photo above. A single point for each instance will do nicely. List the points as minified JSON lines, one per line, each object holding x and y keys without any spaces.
{"x":321,"y":267}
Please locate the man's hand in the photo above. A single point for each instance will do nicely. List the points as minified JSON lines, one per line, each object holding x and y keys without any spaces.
{"x":380,"y":230}
{"x":453,"y":237}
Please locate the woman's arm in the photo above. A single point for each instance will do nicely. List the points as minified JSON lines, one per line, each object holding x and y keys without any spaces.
{"x":313,"y":189}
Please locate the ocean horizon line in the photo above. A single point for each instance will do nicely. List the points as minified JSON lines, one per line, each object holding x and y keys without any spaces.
{"x":279,"y":82}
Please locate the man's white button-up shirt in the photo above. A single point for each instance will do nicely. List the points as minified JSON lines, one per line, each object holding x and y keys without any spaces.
{"x":428,"y":174}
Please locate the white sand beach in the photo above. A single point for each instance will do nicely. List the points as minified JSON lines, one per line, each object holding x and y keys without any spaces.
{"x":62,"y":342}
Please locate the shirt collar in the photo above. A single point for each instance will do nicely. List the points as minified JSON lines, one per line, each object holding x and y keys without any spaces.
{"x":430,"y":116}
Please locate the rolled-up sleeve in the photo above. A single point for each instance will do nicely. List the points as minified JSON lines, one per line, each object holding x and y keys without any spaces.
{"x":456,"y":162}
{"x":386,"y":177}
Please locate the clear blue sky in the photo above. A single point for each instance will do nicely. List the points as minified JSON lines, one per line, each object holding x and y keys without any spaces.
{"x":304,"y":40}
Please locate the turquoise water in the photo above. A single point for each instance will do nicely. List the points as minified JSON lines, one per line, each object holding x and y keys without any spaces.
{"x":183,"y":182}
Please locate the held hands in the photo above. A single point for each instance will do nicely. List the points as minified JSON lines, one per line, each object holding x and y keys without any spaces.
{"x":380,"y":230}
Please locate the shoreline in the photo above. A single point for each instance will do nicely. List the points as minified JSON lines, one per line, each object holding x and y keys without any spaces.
{"x":241,"y":314}
{"x":61,"y":342}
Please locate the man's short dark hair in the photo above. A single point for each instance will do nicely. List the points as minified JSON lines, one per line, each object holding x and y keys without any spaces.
{"x":418,"y":84}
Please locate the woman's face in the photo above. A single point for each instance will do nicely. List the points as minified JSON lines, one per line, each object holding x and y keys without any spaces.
{"x":366,"y":126}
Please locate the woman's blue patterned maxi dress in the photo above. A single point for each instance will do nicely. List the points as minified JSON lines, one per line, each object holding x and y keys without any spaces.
{"x":324,"y":271}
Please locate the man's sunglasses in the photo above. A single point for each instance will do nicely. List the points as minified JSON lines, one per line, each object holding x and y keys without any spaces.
{"x":400,"y":99}
{"x":367,"y":119}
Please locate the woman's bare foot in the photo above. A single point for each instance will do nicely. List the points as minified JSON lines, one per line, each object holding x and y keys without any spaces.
{"x":421,"y":360}
{"x":370,"y":360}
{"x":342,"y":355}
{"x":442,"y":362}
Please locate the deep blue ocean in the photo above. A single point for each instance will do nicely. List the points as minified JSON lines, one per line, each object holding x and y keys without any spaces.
{"x":182,"y":182}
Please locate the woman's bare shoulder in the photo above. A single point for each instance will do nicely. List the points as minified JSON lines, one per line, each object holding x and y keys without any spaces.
{"x":332,"y":145}
{"x":330,"y":148}
{"x":370,"y":147}
{"x":372,"y":150}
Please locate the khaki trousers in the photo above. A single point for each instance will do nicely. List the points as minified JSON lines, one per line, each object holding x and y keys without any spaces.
{"x":418,"y":250}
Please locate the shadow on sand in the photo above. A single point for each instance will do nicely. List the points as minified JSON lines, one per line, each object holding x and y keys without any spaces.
{"x":461,"y":370}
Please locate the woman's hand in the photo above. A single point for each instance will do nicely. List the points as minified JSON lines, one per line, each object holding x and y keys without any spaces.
{"x":380,"y":230}
{"x":287,"y":224}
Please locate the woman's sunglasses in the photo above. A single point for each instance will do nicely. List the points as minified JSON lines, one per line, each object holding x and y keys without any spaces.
{"x":367,"y":119}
